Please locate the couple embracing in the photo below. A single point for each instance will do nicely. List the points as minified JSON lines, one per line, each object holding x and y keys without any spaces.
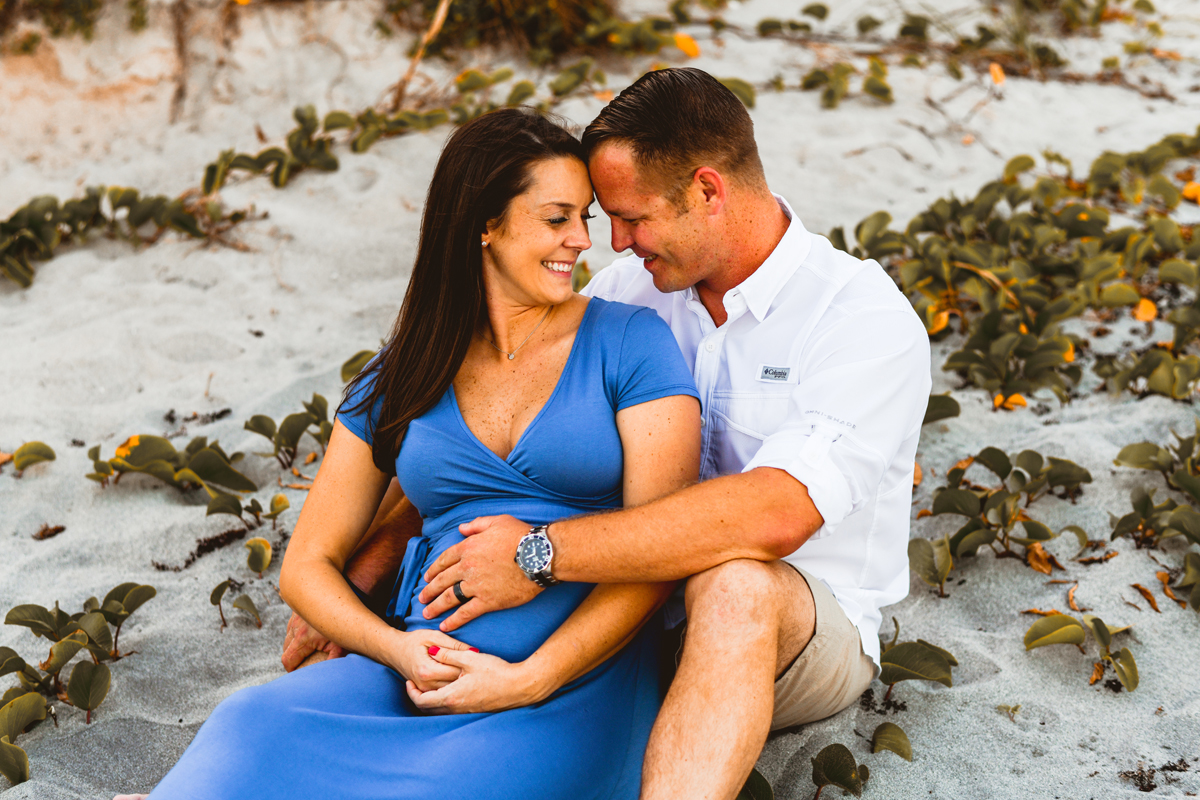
{"x":631,"y":530}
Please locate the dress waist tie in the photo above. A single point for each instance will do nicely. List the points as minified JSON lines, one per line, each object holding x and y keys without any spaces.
{"x":415,"y":553}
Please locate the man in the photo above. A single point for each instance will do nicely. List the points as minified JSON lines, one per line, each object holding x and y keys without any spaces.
{"x":814,"y":374}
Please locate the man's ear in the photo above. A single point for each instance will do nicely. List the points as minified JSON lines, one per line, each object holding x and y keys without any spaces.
{"x":711,"y":188}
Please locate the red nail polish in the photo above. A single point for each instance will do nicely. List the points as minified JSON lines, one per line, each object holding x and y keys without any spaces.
{"x":473,"y":649}
{"x":434,"y":649}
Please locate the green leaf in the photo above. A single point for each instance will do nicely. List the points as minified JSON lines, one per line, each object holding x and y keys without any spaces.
{"x":117,"y":593}
{"x":835,"y":765}
{"x":941,"y":406}
{"x":291,"y":429}
{"x":19,"y":714}
{"x":521,"y":91}
{"x":63,"y":651}
{"x":95,"y":625}
{"x":571,"y":78}
{"x":1191,"y":570}
{"x":956,"y":501}
{"x":1031,"y":462}
{"x":218,"y":592}
{"x":1055,"y":629}
{"x":1119,"y":294}
{"x":1100,"y":631}
{"x":1145,"y":455}
{"x":336,"y":120}
{"x":1018,"y":165}
{"x":89,"y":685}
{"x":816,"y":10}
{"x":757,"y":787}
{"x":264,"y":425}
{"x":318,"y":407}
{"x":914,"y":661}
{"x":1034,"y":532}
{"x":259,"y":557}
{"x":14,"y":764}
{"x":222,"y":503}
{"x":10,"y":662}
{"x":1126,"y":669}
{"x":246,"y":604}
{"x":355,"y":364}
{"x":32,"y":453}
{"x":37,"y":619}
{"x":890,"y":736}
{"x":743,"y":90}
{"x":279,"y":504}
{"x":869,"y":229}
{"x":946,"y":654}
{"x":867,"y":24}
{"x":212,"y":468}
{"x":136,"y":597}
{"x":995,"y":459}
{"x":1176,"y":270}
{"x":931,"y":560}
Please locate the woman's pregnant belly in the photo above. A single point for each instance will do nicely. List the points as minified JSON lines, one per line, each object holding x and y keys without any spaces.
{"x":512,"y":634}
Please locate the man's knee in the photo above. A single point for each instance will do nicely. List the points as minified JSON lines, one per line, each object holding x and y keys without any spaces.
{"x":742,"y":591}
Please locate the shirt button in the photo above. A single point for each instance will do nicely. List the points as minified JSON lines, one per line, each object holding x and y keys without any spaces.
{"x":702,"y":422}
{"x":709,"y":346}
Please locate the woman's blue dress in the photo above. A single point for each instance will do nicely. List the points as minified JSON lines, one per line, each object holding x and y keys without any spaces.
{"x":345,"y":728}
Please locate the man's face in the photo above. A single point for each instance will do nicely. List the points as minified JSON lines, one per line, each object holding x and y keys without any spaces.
{"x":669,"y":238}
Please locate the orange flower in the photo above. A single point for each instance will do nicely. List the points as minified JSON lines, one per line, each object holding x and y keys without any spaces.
{"x":127,"y":446}
{"x":1069,"y":356}
{"x":1145,"y":310}
{"x":687,"y":44}
{"x":997,"y":72}
{"x":1192,"y":191}
{"x":940,"y":321}
{"x":1009,"y":403}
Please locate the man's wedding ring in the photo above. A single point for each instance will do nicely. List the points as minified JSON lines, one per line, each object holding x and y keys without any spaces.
{"x":458,"y":592}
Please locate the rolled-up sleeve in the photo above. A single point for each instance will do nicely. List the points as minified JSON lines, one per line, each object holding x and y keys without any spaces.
{"x":864,"y":382}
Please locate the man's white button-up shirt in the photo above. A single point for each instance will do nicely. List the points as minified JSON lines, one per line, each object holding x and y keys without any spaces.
{"x":822,"y":369}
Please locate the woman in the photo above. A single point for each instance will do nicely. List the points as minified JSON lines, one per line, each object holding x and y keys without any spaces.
{"x":500,"y":390}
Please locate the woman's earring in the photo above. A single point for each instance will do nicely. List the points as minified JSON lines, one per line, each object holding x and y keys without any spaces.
{"x":485,"y":244}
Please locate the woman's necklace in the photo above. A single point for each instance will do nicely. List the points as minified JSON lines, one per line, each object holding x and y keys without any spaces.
{"x":513,"y":354}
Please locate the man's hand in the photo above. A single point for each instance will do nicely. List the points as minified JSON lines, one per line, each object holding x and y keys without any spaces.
{"x":485,"y":566}
{"x":486,"y":683}
{"x":301,"y":641}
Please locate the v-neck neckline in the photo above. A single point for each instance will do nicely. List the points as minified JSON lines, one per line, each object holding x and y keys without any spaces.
{"x":541,"y":411}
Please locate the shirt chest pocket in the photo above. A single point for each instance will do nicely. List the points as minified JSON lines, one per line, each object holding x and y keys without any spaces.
{"x":741,"y":422}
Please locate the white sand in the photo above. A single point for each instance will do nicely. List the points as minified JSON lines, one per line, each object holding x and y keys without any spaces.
{"x":108,"y":339}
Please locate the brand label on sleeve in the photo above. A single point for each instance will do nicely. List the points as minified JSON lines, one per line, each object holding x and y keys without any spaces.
{"x":774,"y":374}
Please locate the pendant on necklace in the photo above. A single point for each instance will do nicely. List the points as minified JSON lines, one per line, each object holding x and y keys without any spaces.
{"x":511,"y":356}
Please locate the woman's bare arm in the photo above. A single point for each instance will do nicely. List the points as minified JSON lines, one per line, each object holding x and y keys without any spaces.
{"x":661,"y":444}
{"x":342,"y":503}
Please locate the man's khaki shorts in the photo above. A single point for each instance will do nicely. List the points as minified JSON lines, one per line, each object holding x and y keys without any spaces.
{"x":831,"y":672}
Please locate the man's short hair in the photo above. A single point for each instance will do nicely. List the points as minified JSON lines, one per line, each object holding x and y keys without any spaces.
{"x":677,"y":120}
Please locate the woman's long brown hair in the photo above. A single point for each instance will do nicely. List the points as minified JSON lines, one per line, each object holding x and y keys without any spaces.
{"x":485,"y":164}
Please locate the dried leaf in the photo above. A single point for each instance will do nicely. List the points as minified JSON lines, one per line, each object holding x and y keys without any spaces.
{"x":1144,"y":592}
{"x":940,"y":321}
{"x":997,"y":73}
{"x":310,"y":458}
{"x":1050,"y":612}
{"x":918,"y":476}
{"x":1098,"y":559}
{"x":966,"y":462}
{"x":1039,"y":560}
{"x":1097,"y":673}
{"x":1191,"y":191}
{"x":5,"y":458}
{"x":1071,"y":599}
{"x":688,"y":45}
{"x":1166,"y":582}
{"x":924,"y":512}
{"x":1145,"y":310}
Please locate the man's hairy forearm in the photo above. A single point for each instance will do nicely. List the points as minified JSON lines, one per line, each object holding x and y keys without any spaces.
{"x":764,"y":515}
{"x":373,"y":566}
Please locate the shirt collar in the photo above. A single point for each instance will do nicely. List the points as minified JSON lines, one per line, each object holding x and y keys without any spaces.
{"x":760,"y":289}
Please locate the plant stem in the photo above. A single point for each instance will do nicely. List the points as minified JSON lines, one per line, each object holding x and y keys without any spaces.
{"x":888,"y":694}
{"x":439,"y":19}
{"x":221,"y":611}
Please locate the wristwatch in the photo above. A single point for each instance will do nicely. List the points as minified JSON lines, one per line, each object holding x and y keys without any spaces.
{"x":534,"y":554}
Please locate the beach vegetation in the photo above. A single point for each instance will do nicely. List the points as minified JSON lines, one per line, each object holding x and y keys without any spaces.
{"x":834,"y":82}
{"x":1059,"y":628}
{"x":200,"y":464}
{"x":757,"y":787}
{"x":835,"y":766}
{"x":919,"y":660}
{"x":259,"y":557}
{"x":1178,"y":463}
{"x":244,"y":603}
{"x":36,"y":230}
{"x":941,"y":406}
{"x":890,"y":736}
{"x":1149,"y":522}
{"x":285,"y":436}
{"x":355,"y":364}
{"x":17,"y":714}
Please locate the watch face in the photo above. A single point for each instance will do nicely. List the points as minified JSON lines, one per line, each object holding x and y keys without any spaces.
{"x":534,"y":554}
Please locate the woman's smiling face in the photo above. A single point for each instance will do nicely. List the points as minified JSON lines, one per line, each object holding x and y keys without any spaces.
{"x":531,"y":251}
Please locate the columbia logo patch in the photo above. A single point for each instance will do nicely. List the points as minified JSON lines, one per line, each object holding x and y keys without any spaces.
{"x":774,"y":374}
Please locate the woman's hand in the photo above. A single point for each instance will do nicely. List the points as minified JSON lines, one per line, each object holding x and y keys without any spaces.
{"x":410,"y":655}
{"x":485,"y":683}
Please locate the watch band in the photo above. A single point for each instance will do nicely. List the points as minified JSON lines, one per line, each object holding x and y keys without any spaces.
{"x":543,"y":577}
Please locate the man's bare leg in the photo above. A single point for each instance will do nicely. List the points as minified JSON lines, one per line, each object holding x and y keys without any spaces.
{"x":747,"y":622}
